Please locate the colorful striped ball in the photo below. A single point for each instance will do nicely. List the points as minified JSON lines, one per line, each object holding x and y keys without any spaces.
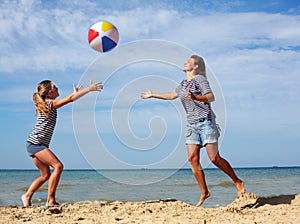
{"x":103,"y":36}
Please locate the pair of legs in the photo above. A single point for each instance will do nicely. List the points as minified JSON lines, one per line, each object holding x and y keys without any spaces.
{"x":217,"y":160}
{"x":43,"y":160}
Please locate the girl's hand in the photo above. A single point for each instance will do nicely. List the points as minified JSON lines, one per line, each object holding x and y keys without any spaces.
{"x":146,"y":95}
{"x":77,"y":88}
{"x":95,"y":87}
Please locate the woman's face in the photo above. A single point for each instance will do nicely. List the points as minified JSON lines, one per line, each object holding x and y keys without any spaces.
{"x":189,"y":65}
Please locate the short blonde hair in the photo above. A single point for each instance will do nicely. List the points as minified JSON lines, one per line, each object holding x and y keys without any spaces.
{"x":201,"y":64}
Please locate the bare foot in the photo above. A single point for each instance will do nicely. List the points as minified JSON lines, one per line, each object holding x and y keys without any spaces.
{"x":202,"y":198}
{"x":25,"y":200}
{"x":52,"y":204}
{"x":240,"y":187}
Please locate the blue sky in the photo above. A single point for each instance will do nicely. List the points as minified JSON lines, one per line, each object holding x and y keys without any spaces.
{"x":252,"y":48}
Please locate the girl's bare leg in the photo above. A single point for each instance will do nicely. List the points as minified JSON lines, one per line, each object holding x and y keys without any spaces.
{"x":37,"y":183}
{"x":194,"y":159}
{"x":48,"y":157}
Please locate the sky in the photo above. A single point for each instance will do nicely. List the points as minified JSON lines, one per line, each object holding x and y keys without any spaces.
{"x":252,"y":54}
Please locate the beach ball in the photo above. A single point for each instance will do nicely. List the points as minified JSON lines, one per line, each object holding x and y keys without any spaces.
{"x":103,"y":36}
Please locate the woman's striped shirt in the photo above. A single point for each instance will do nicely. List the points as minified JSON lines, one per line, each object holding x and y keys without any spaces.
{"x":196,"y":110}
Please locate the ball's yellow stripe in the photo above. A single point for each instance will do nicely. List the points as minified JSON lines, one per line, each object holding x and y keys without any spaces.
{"x":107,"y":26}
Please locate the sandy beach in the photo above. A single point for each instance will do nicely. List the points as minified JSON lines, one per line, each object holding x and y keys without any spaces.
{"x":248,"y":209}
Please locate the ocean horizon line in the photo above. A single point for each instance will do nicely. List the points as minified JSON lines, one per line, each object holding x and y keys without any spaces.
{"x":145,"y":168}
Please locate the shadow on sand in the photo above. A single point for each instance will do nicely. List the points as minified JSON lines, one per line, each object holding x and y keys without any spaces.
{"x":273,"y":200}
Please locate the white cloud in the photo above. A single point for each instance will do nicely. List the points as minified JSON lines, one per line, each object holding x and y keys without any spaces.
{"x":40,"y":39}
{"x":37,"y":38}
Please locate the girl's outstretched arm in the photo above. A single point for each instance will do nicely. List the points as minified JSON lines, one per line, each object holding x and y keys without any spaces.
{"x":78,"y":92}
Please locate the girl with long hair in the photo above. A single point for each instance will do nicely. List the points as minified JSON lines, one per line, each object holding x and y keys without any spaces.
{"x":46,"y":104}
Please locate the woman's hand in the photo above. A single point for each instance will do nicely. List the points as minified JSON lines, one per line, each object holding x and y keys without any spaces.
{"x":190,"y":96}
{"x":207,"y":98}
{"x":146,"y":95}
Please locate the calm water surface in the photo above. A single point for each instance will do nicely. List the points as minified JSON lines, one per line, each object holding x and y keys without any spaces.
{"x":87,"y":185}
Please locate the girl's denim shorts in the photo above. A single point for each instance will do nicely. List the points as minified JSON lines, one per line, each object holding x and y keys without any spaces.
{"x":202,"y":132}
{"x":33,"y":148}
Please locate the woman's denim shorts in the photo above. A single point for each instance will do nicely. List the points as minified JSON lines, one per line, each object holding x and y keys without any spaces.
{"x":33,"y":148}
{"x":202,"y":132}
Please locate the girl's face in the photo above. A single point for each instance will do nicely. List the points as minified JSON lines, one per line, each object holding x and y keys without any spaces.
{"x":53,"y":93}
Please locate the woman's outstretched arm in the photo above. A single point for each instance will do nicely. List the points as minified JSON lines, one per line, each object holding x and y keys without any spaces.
{"x":163,"y":96}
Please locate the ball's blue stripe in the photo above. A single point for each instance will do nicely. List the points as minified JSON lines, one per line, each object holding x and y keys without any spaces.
{"x":107,"y":43}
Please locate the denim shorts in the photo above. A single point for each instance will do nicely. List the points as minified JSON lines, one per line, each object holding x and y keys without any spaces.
{"x":33,"y":148}
{"x":203,"y":132}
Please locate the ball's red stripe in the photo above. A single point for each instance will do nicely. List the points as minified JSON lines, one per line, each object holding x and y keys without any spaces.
{"x":92,"y":34}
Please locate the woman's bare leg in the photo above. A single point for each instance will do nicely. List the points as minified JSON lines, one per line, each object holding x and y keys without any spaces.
{"x":194,"y":159}
{"x":221,"y":163}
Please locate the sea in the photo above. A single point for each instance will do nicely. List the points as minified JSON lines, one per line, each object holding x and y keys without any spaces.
{"x":145,"y":184}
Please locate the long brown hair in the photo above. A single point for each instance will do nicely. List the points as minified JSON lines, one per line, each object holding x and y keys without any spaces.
{"x":41,"y":96}
{"x":201,"y":64}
